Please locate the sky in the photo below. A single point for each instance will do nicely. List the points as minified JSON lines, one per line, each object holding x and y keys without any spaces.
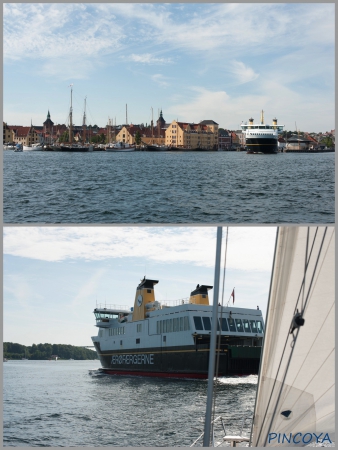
{"x":224,"y":62}
{"x":55,"y":276}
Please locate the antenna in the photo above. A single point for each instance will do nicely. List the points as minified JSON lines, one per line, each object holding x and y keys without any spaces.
{"x":126,"y":114}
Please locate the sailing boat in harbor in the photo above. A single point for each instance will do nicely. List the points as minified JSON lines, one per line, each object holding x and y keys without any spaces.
{"x":295,"y":402}
{"x":74,"y":147}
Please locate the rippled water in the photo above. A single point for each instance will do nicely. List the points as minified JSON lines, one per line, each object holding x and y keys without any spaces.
{"x":66,"y":403}
{"x":168,"y":187}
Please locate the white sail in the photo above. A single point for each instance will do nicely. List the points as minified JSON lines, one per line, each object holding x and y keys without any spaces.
{"x":296,"y":389}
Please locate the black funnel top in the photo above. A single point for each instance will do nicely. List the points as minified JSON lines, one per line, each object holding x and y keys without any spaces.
{"x":147,"y":284}
{"x":203,"y":289}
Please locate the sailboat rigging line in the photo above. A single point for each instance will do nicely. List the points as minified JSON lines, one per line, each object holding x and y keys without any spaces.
{"x":220,"y":329}
{"x":305,"y":262}
{"x":211,"y":370}
{"x":266,"y":322}
{"x":294,"y":338}
{"x":305,"y":270}
{"x":286,"y":341}
{"x":313,"y":274}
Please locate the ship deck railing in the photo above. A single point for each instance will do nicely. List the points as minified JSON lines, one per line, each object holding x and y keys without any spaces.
{"x":180,"y":301}
{"x":111,"y":306}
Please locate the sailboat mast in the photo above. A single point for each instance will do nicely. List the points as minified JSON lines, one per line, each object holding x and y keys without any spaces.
{"x":84,"y":121}
{"x":152,"y":126}
{"x":71,"y":115}
{"x":212,"y":351}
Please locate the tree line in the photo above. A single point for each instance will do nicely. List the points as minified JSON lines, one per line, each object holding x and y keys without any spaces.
{"x":45,"y":351}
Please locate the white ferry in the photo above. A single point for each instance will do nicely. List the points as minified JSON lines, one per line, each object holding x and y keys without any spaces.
{"x":261,"y":138}
{"x":153,"y":339}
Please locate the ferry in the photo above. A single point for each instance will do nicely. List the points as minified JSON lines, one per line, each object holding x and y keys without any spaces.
{"x":261,"y":138}
{"x":157,"y":340}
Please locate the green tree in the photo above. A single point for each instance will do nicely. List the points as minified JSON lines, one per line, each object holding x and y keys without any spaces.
{"x":64,"y":137}
{"x":137,"y":138}
{"x":327,"y":141}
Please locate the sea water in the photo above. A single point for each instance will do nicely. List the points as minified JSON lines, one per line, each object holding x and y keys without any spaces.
{"x":168,"y":187}
{"x":68,"y":403}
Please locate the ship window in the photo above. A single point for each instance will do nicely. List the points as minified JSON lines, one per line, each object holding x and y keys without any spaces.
{"x":120,"y":342}
{"x":139,"y":327}
{"x":224,"y":324}
{"x":246,"y":324}
{"x":259,"y":326}
{"x":181,"y":323}
{"x":231,"y":324}
{"x":148,"y":291}
{"x":186,"y":323}
{"x":164,"y":338}
{"x":176,"y":324}
{"x":206,"y":323}
{"x":158,"y":327}
{"x":137,"y":340}
{"x":253,"y":326}
{"x":198,"y":323}
{"x":239,"y":325}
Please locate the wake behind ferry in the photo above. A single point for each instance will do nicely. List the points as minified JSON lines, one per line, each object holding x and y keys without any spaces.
{"x":261,"y":138}
{"x":154,"y":339}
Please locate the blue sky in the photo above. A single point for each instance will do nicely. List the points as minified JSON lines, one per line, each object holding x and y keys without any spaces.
{"x":222,"y":61}
{"x":53,"y":276}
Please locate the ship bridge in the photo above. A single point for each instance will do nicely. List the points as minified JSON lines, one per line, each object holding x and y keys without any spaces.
{"x":105,"y":314}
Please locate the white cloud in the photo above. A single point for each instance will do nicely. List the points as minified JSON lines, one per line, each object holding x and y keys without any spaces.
{"x":147,"y":58}
{"x":243,"y":73}
{"x":249,"y":248}
{"x":160,"y":79}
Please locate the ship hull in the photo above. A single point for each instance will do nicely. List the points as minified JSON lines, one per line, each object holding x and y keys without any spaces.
{"x":179,"y":362}
{"x":263,"y":145}
{"x":64,"y":148}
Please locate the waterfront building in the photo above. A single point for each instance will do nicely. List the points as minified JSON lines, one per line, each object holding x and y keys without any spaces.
{"x":24,"y":135}
{"x":235,"y":141}
{"x":224,"y":139}
{"x":153,"y":134}
{"x":191,"y":135}
{"x":7,"y":134}
{"x":296,"y":143}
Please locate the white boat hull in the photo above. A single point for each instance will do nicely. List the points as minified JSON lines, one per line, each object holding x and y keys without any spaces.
{"x":33,"y":149}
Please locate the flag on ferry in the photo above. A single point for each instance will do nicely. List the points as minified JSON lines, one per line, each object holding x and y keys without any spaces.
{"x":233,"y":296}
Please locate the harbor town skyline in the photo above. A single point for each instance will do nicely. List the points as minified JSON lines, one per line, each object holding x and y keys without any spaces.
{"x":194,"y":62}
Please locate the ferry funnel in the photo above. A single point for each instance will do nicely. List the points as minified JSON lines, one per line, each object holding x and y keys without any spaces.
{"x":199,"y":296}
{"x":144,"y":294}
